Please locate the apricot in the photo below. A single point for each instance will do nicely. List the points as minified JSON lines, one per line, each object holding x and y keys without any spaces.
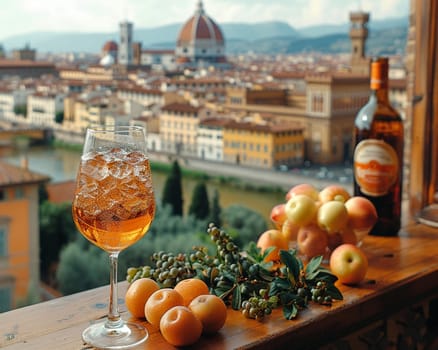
{"x":180,"y":327}
{"x":138,"y":293}
{"x":190,"y":288}
{"x":159,"y":302}
{"x":211,"y":311}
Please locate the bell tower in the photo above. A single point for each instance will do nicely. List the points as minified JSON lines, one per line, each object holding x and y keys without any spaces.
{"x":358,"y":37}
{"x":125,"y":47}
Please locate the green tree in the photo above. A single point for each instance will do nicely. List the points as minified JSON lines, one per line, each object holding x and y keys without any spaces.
{"x":215,"y":210}
{"x":59,"y":117}
{"x":244,"y":224}
{"x":56,"y":230}
{"x":82,"y":268}
{"x":43,"y":194}
{"x":200,"y":206}
{"x":172,"y":191}
{"x":21,"y":110}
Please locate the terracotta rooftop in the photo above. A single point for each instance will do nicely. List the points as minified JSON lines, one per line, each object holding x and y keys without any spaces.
{"x":11,"y":175}
{"x":9,"y":63}
{"x":61,"y":192}
{"x":268,"y":127}
{"x":180,"y":108}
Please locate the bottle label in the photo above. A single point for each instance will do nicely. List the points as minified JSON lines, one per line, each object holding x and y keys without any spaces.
{"x":375,"y":167}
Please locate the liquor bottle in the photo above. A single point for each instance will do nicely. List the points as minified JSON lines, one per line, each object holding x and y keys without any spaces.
{"x":378,"y":153}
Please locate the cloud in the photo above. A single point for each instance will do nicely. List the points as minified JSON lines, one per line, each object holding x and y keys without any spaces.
{"x":22,"y":16}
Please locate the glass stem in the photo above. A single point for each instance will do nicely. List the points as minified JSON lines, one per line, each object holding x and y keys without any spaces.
{"x":114,"y":319}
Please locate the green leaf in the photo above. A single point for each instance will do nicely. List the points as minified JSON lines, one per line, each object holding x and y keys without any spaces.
{"x":313,"y":266}
{"x":237,"y":298}
{"x":266,"y":274}
{"x":291,"y":262}
{"x":253,"y":251}
{"x":229,"y":276}
{"x":290,"y":311}
{"x":326,"y":276}
{"x":288,"y":298}
{"x":334,"y":292}
{"x":279,"y":285}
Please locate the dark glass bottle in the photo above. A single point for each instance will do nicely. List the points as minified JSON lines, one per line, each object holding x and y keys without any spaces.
{"x":378,"y":153}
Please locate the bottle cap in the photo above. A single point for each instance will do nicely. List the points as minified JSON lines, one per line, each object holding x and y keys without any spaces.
{"x":379,"y":73}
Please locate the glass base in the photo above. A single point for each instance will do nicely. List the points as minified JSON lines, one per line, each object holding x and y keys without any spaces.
{"x":429,"y":215}
{"x":128,"y":335}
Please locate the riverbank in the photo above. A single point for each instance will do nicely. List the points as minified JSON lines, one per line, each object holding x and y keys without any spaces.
{"x":263,"y":178}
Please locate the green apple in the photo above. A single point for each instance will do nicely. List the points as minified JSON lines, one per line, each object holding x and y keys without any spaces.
{"x":300,"y":209}
{"x":332,"y":216}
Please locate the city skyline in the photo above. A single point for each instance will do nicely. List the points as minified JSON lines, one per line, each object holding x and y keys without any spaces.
{"x":96,"y":16}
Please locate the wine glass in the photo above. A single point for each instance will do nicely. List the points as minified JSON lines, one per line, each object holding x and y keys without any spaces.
{"x":113,"y":208}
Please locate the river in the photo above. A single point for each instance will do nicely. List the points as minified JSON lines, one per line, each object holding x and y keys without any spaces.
{"x":62,"y":164}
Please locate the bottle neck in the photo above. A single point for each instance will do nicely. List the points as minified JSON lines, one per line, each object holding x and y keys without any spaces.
{"x":379,"y":79}
{"x":381,"y":94}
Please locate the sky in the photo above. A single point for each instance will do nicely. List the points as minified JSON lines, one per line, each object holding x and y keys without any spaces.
{"x":103,"y":16}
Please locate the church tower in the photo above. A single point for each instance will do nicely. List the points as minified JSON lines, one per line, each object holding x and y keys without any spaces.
{"x":125,"y":47}
{"x":358,"y":36}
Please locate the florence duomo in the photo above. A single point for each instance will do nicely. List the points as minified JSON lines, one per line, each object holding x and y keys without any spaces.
{"x":199,"y":43}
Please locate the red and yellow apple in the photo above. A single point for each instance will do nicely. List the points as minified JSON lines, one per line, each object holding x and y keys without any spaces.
{"x":332,"y":216}
{"x":290,"y":230}
{"x":312,"y":241}
{"x":278,"y":215}
{"x":349,"y":264}
{"x":272,"y":238}
{"x":334,"y":193}
{"x":362,"y":215}
{"x":307,"y":189}
{"x":300,"y":209}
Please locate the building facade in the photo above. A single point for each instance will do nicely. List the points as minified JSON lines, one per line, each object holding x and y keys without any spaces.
{"x":179,"y":128}
{"x":19,"y":234}
{"x":263,"y":144}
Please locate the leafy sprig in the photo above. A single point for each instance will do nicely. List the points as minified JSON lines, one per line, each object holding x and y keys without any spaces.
{"x":244,"y":279}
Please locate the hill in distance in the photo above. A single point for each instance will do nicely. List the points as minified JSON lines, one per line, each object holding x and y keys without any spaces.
{"x":271,"y":37}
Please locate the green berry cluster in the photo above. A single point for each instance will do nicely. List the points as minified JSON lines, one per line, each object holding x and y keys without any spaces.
{"x":257,"y":307}
{"x":320,"y":294}
{"x":167,"y":269}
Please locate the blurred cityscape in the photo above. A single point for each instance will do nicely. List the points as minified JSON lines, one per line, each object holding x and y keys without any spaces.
{"x":288,"y":113}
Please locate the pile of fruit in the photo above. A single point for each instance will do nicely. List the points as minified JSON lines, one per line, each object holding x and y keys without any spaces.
{"x":316,"y":222}
{"x":187,"y":294}
{"x":182,"y":313}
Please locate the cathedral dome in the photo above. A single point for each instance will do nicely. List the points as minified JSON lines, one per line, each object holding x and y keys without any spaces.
{"x":110,"y":46}
{"x":200,"y":27}
{"x":200,"y":40}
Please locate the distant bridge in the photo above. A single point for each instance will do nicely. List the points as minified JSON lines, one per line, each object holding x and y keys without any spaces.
{"x":31,"y":133}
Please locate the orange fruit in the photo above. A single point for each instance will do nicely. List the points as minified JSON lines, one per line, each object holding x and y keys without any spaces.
{"x":159,"y":302}
{"x":272,"y":238}
{"x":180,"y":327}
{"x":211,"y":311}
{"x":190,"y":288}
{"x":138,"y":293}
